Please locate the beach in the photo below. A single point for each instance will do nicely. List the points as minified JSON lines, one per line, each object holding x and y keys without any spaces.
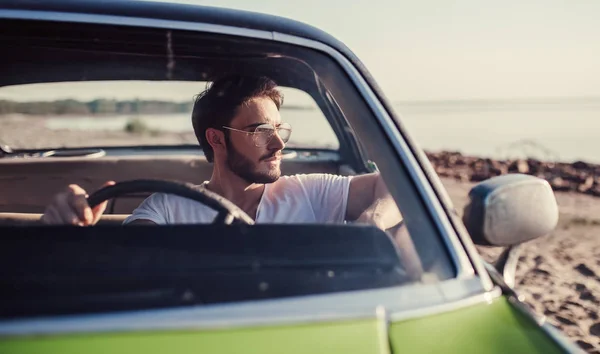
{"x":558,"y":275}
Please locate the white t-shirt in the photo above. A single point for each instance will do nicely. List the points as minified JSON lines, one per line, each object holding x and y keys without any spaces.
{"x":312,"y":198}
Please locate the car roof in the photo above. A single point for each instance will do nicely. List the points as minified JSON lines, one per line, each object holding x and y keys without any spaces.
{"x":179,"y":12}
{"x":188,"y":13}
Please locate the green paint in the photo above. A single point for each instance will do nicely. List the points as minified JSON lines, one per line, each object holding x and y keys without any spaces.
{"x":341,"y":337}
{"x":482,"y":328}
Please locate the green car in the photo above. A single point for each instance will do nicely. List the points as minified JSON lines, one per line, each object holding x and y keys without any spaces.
{"x":233,"y":286}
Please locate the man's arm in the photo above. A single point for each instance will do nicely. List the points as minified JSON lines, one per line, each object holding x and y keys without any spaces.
{"x":370,"y":201}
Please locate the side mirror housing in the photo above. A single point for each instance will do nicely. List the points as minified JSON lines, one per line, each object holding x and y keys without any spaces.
{"x":510,"y":209}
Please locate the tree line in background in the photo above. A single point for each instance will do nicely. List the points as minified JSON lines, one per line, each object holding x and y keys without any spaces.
{"x":98,"y":106}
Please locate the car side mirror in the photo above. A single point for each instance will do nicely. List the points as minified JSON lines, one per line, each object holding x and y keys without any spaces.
{"x":509,"y":210}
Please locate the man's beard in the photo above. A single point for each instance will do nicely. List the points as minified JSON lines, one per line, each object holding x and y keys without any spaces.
{"x":246,"y":169}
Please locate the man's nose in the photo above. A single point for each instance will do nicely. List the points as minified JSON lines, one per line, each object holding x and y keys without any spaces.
{"x":276,"y":142}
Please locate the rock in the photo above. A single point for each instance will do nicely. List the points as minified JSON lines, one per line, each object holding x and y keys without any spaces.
{"x":496,"y":172}
{"x":580,"y":165}
{"x":519,"y":166}
{"x":595,"y":191}
{"x":460,"y":161}
{"x":479,"y":176}
{"x":571,"y":174}
{"x":462,"y":176}
{"x":586,"y":185}
{"x":455,"y":158}
{"x":579,"y":176}
{"x":584,"y":345}
{"x":477,"y":164}
{"x":565,"y":320}
{"x":559,"y":184}
{"x":443,"y":171}
{"x":584,"y":270}
{"x":535,"y":166}
{"x":588,"y":296}
{"x":541,"y":272}
{"x":595,"y":329}
{"x":539,"y":259}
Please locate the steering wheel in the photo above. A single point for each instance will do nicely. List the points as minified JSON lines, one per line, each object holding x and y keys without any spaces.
{"x":228,"y":213}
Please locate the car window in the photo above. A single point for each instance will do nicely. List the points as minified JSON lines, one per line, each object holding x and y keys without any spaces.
{"x":129,"y":113}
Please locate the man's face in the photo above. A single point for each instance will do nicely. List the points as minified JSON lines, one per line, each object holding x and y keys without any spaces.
{"x":254,"y":164}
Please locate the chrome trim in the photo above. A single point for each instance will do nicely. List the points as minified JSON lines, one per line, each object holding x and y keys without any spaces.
{"x":383,"y":334}
{"x":132,"y":22}
{"x":507,"y":264}
{"x":401,"y":303}
{"x":77,"y":153}
{"x":560,"y":339}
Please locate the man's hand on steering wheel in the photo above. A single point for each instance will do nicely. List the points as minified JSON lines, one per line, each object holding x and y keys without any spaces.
{"x":75,"y":207}
{"x":70,"y":207}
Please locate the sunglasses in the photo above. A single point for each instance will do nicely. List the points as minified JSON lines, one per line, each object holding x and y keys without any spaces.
{"x":264,"y":133}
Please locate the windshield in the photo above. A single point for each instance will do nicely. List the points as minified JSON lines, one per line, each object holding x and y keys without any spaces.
{"x":129,"y":113}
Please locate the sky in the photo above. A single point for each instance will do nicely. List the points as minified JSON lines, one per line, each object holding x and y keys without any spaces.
{"x":447,"y":50}
{"x":423,"y":50}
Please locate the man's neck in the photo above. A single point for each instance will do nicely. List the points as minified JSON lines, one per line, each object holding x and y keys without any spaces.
{"x":237,"y":190}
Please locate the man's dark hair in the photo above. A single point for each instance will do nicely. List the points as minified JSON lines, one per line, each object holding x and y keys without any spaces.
{"x":218,"y":104}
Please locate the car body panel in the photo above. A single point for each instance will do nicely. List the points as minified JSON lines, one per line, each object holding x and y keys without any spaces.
{"x":340,"y":337}
{"x":498,"y":327}
{"x":494,"y":327}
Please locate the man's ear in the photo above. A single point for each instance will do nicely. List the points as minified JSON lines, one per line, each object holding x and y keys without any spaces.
{"x":216,"y":139}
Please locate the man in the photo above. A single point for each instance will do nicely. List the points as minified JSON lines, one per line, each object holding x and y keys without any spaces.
{"x":238,"y":125}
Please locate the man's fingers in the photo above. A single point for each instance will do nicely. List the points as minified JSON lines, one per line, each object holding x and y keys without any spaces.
{"x":78,"y":205}
{"x":99,"y":209}
{"x":108,"y":183}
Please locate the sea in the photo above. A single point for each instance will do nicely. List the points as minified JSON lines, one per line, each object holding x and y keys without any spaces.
{"x":564,"y":130}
